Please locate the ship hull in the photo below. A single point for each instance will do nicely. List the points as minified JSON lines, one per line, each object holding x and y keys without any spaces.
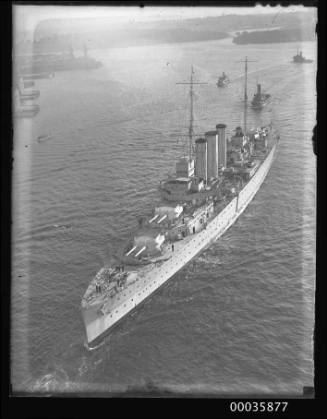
{"x":98,"y":325}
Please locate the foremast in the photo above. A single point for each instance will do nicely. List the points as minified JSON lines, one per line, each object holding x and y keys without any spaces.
{"x":246,"y":61}
{"x":191,"y":130}
{"x":191,"y":125}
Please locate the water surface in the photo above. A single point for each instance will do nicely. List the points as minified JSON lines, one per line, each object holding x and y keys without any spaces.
{"x":240,"y":318}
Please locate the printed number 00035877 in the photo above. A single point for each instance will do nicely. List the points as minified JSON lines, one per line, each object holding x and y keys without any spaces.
{"x":258,"y":406}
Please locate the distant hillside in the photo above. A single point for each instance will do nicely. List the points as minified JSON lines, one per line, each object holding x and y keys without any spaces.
{"x":57,"y":35}
{"x":277,"y":35}
{"x":224,"y":23}
{"x":62,"y":43}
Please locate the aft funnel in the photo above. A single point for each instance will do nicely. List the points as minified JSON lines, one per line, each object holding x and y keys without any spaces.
{"x":201,"y":161}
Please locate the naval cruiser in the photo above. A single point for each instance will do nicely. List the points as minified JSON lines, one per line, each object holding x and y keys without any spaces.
{"x":211,"y":188}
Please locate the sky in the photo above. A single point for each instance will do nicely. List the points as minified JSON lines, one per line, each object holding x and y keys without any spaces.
{"x":27,"y":17}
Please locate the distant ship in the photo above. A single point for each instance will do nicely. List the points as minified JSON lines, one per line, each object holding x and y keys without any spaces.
{"x":223,"y":80}
{"x":212,"y":186}
{"x":45,"y":65}
{"x":298,"y":58}
{"x":259,"y":99}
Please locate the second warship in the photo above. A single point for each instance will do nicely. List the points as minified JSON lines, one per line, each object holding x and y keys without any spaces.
{"x":211,"y":188}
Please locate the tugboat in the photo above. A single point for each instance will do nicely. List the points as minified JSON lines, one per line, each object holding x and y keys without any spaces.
{"x":212,"y":186}
{"x":259,"y":99}
{"x":299,"y":59}
{"x":223,"y":81}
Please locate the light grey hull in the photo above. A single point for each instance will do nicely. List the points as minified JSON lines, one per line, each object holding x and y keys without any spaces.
{"x":97,"y":325}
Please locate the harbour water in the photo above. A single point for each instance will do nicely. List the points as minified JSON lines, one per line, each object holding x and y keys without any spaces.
{"x":240,"y":318}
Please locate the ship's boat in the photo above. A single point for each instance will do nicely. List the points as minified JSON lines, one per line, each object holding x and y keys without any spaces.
{"x":223,"y":80}
{"x":210,"y":189}
{"x":259,"y":99}
{"x":299,"y":59}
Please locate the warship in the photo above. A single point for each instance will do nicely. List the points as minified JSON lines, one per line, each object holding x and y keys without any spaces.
{"x":214,"y":182}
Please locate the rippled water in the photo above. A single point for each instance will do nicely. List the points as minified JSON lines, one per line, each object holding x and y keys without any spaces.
{"x":240,"y":318}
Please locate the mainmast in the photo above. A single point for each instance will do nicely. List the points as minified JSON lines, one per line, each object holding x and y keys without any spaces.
{"x":190,"y":130}
{"x":245,"y":93}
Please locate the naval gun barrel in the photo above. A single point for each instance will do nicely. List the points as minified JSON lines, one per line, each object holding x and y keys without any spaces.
{"x":162,"y":218}
{"x":140,"y":251}
{"x":130,"y":251}
{"x":154,"y":218}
